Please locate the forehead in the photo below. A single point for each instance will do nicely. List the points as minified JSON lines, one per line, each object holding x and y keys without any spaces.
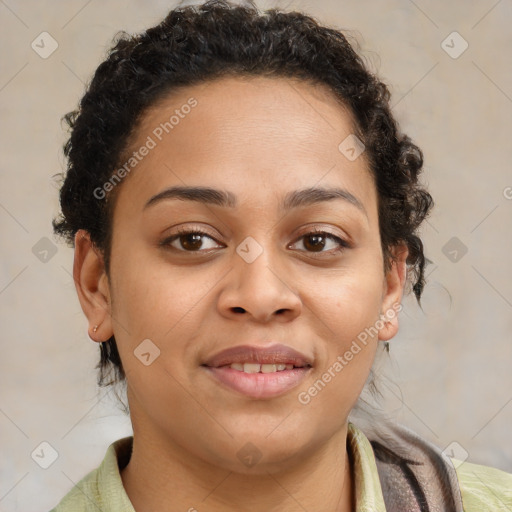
{"x":229,"y":110}
{"x":255,"y":134}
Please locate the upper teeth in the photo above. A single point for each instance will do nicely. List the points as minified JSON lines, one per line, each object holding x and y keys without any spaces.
{"x":263,"y":368}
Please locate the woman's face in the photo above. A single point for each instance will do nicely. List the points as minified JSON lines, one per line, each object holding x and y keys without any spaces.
{"x":258,"y":277}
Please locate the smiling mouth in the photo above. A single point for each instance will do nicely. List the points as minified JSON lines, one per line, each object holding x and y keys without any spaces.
{"x":259,"y":372}
{"x":263,"y":368}
{"x":253,"y":359}
{"x":258,"y":381}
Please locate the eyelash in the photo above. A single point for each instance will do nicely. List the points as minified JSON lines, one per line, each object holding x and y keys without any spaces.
{"x":343,"y":244}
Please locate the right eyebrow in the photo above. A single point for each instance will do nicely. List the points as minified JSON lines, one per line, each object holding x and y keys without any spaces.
{"x":206,"y":195}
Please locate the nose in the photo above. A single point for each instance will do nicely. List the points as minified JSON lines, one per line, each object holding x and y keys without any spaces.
{"x":261,"y":291}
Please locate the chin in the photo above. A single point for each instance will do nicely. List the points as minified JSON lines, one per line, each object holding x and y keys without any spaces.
{"x":259,"y":451}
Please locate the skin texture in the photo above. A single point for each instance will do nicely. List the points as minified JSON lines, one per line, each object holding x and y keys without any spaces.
{"x":259,"y":138}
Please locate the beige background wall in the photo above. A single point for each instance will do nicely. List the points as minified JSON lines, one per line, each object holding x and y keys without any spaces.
{"x":450,"y":375}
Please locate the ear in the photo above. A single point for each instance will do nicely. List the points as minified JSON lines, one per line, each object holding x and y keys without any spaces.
{"x":394,"y":282}
{"x":92,"y":286}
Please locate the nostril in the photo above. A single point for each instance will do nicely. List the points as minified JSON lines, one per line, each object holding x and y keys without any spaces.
{"x":238,"y":309}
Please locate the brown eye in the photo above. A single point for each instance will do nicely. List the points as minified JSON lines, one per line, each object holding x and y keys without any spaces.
{"x":314,"y":242}
{"x":317,"y":241}
{"x":189,"y":241}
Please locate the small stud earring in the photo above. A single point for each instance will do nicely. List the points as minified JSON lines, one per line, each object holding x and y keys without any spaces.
{"x":95,"y":328}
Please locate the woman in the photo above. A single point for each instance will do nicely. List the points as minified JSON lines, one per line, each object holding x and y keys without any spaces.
{"x":244,"y":213}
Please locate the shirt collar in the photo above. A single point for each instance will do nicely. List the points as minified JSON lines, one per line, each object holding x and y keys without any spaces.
{"x":110,"y":484}
{"x":368,"y":491}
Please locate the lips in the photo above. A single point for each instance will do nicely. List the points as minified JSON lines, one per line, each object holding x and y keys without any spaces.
{"x":273,"y":355}
{"x":258,"y":372}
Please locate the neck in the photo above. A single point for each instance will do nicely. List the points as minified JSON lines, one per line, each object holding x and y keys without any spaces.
{"x":162,"y":476}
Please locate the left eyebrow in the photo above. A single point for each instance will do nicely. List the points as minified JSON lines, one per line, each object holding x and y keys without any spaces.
{"x":226,"y":199}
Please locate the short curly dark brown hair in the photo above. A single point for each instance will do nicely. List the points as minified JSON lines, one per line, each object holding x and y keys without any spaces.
{"x":194,"y":44}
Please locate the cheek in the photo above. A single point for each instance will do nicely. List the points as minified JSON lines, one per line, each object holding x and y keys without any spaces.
{"x":357,"y":304}
{"x":150,"y":297}
{"x":348,"y":306}
{"x":155,"y":302}
{"x":348,"y":300}
{"x":151,"y":300}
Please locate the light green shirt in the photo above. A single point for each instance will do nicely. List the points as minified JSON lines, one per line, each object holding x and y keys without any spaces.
{"x":483,"y":489}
